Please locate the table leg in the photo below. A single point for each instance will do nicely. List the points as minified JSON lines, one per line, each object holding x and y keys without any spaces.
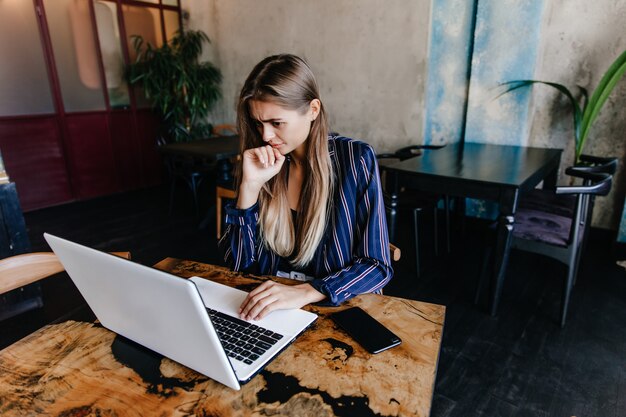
{"x":549,"y":182}
{"x":504,"y":234}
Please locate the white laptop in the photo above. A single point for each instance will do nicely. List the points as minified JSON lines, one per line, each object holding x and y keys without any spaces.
{"x":183,"y":319}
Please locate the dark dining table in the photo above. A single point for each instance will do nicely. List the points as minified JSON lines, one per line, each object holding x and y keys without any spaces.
{"x":495,"y":173}
{"x":213,"y":151}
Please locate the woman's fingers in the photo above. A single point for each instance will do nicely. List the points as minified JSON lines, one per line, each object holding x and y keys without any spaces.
{"x":254,"y":297}
{"x":271,"y":157}
{"x":268,"y":308}
{"x":279,"y":156}
{"x":271,"y":296}
{"x":266,"y":155}
{"x":263,"y":305}
{"x":262,"y":300}
{"x":261,"y":155}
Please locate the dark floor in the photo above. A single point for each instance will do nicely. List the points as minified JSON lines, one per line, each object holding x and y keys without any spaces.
{"x":517,"y":364}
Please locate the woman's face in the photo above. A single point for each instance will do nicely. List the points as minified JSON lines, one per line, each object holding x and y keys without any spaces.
{"x":283,"y":129}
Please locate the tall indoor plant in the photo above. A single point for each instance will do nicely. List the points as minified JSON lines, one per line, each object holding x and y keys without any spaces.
{"x":585,"y":110}
{"x":181,"y":89}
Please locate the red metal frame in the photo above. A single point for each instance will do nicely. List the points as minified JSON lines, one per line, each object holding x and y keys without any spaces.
{"x":131,"y":91}
{"x":53,"y":76}
{"x":96,"y":41}
{"x":136,"y":143}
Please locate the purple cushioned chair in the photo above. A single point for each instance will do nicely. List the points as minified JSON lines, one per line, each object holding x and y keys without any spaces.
{"x":555,"y":224}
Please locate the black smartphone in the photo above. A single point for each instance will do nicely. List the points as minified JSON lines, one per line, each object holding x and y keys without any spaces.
{"x":365,"y":329}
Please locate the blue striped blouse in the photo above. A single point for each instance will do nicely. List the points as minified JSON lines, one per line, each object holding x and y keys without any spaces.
{"x":353,"y":257}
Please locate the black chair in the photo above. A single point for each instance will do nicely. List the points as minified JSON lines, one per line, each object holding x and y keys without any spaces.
{"x":557,"y":229}
{"x":548,"y":201}
{"x":193,"y":170}
{"x":415,"y":201}
{"x":189,"y":170}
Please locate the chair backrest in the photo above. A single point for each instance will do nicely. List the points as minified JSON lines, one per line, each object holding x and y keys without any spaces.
{"x":20,"y":270}
{"x":607,"y":165}
{"x":599,"y":182}
{"x":590,"y":163}
{"x":408,"y":152}
{"x":594,"y":184}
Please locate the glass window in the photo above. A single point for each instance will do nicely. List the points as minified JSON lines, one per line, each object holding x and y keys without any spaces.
{"x":170,"y":2}
{"x":75,"y":56}
{"x":172,"y":23}
{"x":111,"y":49}
{"x":24,"y":84}
{"x":145,"y":22}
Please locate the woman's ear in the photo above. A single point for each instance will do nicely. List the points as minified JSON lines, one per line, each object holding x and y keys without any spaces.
{"x":315,"y":107}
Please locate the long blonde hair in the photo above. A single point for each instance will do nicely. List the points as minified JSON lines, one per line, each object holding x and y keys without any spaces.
{"x":286,"y":80}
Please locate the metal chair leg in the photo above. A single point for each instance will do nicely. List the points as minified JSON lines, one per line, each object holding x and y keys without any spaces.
{"x":416,"y":212}
{"x":446,"y":207}
{"x":436,"y":229}
{"x":567,"y":290}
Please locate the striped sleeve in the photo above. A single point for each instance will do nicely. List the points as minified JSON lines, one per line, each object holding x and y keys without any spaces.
{"x":238,"y":245}
{"x":368,"y":265}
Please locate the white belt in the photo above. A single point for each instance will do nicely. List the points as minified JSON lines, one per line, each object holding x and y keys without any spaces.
{"x":298,"y":276}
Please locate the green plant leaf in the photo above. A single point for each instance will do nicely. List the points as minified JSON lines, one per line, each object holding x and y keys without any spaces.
{"x":599,"y":97}
{"x":576,"y":110}
{"x":181,"y":89}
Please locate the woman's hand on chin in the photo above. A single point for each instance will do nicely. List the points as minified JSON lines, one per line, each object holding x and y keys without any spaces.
{"x":259,"y":166}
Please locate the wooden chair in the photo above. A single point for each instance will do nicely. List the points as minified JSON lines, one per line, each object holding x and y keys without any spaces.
{"x":221,"y":130}
{"x":20,"y":270}
{"x":395,"y":251}
{"x":221,"y":192}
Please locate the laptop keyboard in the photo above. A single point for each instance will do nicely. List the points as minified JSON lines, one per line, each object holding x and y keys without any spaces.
{"x":241,"y":340}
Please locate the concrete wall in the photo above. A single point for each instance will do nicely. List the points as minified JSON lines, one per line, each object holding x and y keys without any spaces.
{"x":566,"y":41}
{"x":449,"y":56}
{"x":372,"y":60}
{"x":506,"y":43}
{"x":579,"y":41}
{"x":369,"y":57}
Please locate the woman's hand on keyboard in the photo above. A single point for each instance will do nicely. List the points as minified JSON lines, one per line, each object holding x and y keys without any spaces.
{"x":271,"y":296}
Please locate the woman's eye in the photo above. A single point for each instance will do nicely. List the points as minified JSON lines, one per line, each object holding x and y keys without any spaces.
{"x":276,"y":124}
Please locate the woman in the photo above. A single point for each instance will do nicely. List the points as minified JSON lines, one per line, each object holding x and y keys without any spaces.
{"x":309,"y":205}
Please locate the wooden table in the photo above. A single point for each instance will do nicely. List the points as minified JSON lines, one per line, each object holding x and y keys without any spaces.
{"x":482,"y":171}
{"x":79,"y":368}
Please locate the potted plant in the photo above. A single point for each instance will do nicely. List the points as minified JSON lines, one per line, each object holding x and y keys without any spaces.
{"x":181,"y":89}
{"x":585,"y":110}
